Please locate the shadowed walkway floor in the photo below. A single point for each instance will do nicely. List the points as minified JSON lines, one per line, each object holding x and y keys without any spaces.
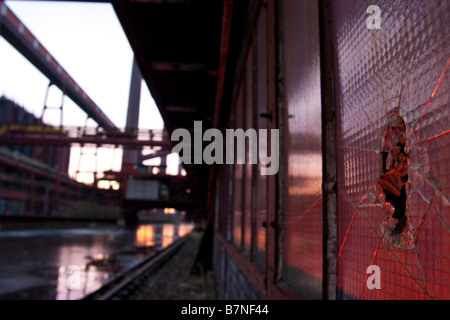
{"x":174,"y":281}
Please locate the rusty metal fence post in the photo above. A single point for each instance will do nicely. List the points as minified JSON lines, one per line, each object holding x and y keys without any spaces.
{"x":329,"y":182}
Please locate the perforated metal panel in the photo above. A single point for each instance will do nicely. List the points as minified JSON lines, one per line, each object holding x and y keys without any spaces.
{"x":248,"y":186}
{"x":302,"y":250}
{"x":261,"y":123}
{"x":384,"y":75}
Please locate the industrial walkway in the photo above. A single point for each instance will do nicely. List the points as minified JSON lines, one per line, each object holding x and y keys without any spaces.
{"x":174,"y":281}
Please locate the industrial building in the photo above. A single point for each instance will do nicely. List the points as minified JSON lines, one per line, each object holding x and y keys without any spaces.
{"x":359,"y":96}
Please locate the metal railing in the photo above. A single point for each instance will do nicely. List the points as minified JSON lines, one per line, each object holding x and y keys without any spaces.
{"x":45,"y":134}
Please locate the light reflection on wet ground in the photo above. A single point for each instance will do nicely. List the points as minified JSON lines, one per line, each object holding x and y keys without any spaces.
{"x":42,"y":264}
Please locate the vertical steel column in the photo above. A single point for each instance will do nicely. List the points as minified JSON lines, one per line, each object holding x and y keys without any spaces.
{"x":329,"y":182}
{"x":272,"y":260}
{"x":130,"y":155}
{"x":58,"y":151}
{"x":48,"y":107}
{"x":163,"y":165}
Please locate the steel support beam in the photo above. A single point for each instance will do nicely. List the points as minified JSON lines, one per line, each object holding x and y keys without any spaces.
{"x":130,"y":156}
{"x":329,"y":152}
{"x":157,"y":154}
{"x":57,"y":139}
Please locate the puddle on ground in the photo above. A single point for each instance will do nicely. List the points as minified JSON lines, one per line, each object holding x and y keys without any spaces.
{"x":67,"y":264}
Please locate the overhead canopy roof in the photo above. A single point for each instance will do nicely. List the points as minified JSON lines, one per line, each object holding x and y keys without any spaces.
{"x":177,"y":44}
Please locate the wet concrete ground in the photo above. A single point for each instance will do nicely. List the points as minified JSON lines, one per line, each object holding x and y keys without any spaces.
{"x":42,"y":263}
